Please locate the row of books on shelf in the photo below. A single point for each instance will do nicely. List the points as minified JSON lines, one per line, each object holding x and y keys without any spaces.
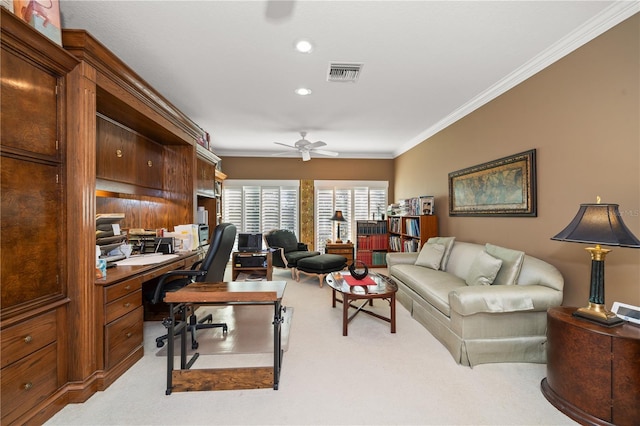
{"x":369,"y":227}
{"x":370,"y":258}
{"x":397,"y":243}
{"x":411,"y":226}
{"x":372,"y":242}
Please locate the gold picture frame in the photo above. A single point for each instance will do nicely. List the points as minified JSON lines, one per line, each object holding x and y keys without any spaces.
{"x":503,"y":187}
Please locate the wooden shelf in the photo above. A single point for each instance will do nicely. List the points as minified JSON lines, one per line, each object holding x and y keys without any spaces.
{"x":410,"y":233}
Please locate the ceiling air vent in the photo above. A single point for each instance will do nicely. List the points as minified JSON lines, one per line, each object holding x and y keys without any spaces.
{"x":344,"y":73}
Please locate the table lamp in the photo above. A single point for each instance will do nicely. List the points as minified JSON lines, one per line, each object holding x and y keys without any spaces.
{"x":337,"y":217}
{"x":598,"y":224}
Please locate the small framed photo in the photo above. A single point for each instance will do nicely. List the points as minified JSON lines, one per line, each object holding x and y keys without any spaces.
{"x":427,"y":204}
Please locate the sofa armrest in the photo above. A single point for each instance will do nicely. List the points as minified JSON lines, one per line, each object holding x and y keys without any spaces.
{"x":397,"y":258}
{"x":471,"y":300}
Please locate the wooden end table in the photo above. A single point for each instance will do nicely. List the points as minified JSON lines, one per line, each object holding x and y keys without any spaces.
{"x":593,"y":371}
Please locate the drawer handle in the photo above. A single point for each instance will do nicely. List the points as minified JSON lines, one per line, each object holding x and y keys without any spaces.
{"x":128,"y":287}
{"x":27,"y":386}
{"x":126,"y":305}
{"x":128,"y":335}
{"x":150,"y":163}
{"x":119,"y":153}
{"x":28,"y":339}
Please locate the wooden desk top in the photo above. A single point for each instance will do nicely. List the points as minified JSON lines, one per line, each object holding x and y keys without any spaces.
{"x":228,"y":292}
{"x":123,"y":272}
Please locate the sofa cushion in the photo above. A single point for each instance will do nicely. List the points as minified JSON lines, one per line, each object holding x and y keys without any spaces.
{"x":484,"y":269}
{"x":433,"y":286}
{"x":448,"y":245}
{"x":511,"y":264}
{"x":430,"y":256}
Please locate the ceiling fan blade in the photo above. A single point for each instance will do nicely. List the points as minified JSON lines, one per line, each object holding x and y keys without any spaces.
{"x":288,"y":146}
{"x":305,"y":156}
{"x":317,"y":144}
{"x":280,"y":154}
{"x":323,"y":152}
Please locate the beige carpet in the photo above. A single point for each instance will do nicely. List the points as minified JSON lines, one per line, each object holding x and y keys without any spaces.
{"x":250,"y":331}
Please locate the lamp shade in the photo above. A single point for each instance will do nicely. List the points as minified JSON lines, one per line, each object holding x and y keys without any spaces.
{"x":337,"y":216}
{"x":598,"y":224}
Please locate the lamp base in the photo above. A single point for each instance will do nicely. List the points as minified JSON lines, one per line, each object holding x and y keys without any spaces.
{"x":599,"y":314}
{"x":338,"y":241}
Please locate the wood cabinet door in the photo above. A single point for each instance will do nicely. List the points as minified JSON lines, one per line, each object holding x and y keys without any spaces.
{"x":32,"y":228}
{"x":29,"y":106}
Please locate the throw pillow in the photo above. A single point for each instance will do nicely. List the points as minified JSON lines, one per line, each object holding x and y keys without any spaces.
{"x":447,"y":242}
{"x":430,"y":256}
{"x":511,"y":264}
{"x":484,"y":269}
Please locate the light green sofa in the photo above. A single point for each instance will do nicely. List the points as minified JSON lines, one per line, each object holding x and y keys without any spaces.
{"x":479,"y":323}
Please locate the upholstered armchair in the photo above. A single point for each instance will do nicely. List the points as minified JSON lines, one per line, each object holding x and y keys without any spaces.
{"x":287,"y":250}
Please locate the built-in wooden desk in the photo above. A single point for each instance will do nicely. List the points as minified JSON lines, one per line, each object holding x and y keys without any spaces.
{"x":121,"y":314}
{"x":225,"y":293}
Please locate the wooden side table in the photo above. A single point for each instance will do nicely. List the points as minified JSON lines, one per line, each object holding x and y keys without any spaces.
{"x":250,"y":267}
{"x":593,"y":372}
{"x":343,"y":249}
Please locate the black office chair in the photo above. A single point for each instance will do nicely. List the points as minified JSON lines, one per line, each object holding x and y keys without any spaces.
{"x":209,"y":269}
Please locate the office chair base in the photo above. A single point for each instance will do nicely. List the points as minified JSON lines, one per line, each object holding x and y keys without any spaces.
{"x":193,"y":326}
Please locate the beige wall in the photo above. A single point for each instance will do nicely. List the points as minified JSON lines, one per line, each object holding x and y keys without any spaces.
{"x":582,"y":116}
{"x":315,"y":169}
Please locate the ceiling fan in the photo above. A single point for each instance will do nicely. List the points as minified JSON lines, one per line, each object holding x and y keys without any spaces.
{"x":305,"y":148}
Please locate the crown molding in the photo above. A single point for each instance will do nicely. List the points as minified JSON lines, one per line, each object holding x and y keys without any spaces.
{"x":604,"y":21}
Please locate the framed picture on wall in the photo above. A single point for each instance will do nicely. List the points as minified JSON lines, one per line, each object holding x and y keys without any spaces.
{"x":503,"y":187}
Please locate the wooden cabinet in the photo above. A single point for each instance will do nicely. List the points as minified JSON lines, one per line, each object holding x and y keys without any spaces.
{"x":209,"y":186}
{"x":593,"y":372}
{"x":343,"y":249}
{"x":123,"y":155}
{"x":410,"y":233}
{"x":33,"y":299}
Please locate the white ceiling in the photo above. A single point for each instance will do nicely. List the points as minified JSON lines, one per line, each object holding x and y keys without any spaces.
{"x":231,"y":66}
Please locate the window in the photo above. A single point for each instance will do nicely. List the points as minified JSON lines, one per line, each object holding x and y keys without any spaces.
{"x":260,"y":206}
{"x":358,"y":200}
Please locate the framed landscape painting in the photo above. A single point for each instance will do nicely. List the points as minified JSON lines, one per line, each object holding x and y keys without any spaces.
{"x":503,"y":187}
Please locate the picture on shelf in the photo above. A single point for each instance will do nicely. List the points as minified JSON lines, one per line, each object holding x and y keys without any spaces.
{"x":427,"y":205}
{"x":43,"y":15}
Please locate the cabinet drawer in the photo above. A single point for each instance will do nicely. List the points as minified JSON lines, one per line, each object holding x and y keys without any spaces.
{"x":27,"y":337}
{"x":122,"y":336}
{"x":116,"y":291}
{"x":340,"y":251}
{"x":28,"y":382}
{"x":122,"y":306}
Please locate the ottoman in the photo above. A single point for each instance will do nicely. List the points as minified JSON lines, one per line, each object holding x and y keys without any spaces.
{"x":320,"y":265}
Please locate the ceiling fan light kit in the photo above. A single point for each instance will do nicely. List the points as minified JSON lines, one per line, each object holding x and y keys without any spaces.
{"x":305,"y":148}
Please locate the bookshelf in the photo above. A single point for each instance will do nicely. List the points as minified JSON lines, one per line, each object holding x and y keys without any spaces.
{"x":372,"y":242}
{"x":409,"y":233}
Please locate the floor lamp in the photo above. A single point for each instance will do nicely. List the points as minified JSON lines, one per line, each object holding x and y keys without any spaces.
{"x":599,"y":224}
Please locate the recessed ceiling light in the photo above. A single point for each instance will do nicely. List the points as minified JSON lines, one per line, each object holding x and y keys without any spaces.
{"x":304,"y":46}
{"x":303,"y":91}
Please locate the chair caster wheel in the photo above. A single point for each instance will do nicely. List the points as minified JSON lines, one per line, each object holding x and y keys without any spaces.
{"x":195,"y":345}
{"x":225,"y":329}
{"x":159,"y":344}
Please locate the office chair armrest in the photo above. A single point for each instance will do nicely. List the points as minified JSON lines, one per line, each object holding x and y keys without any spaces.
{"x":196,"y":265}
{"x":158,"y":294}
